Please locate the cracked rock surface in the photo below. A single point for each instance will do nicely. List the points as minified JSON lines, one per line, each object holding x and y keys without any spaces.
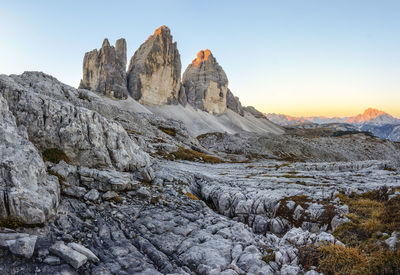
{"x":137,"y":196}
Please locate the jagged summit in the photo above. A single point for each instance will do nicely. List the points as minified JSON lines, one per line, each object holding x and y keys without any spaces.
{"x":104,"y":70}
{"x":154,"y":75}
{"x":160,"y":30}
{"x":373,"y":116}
{"x":154,"y":72}
{"x":202,"y":56}
{"x":206,"y":83}
{"x":371,"y":112}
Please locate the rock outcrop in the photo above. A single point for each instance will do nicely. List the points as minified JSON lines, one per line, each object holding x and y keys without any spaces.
{"x":233,"y":103}
{"x":86,"y":137}
{"x":104,"y":71}
{"x":256,"y":113}
{"x":155,"y":70}
{"x":27,"y":194}
{"x":206,"y":84}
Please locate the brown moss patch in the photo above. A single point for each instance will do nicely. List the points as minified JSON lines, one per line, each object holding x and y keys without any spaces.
{"x":192,"y":155}
{"x":217,"y":135}
{"x":10,"y":222}
{"x":188,"y":154}
{"x":61,"y":179}
{"x":55,"y":155}
{"x":168,"y":131}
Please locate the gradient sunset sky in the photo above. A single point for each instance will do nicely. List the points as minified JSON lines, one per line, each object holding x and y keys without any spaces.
{"x":332,"y":58}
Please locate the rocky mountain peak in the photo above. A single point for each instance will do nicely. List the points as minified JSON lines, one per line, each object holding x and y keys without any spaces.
{"x":372,"y":113}
{"x":155,"y":70}
{"x":203,"y":56}
{"x":104,"y":71}
{"x":206,"y":83}
{"x":163,"y":31}
{"x":106,"y":43}
{"x":373,"y":116}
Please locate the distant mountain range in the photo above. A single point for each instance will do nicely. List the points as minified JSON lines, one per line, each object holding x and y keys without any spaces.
{"x":377,"y":122}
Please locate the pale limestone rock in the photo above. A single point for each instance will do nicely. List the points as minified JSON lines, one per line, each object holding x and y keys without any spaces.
{"x":24,"y":246}
{"x":104,"y":71}
{"x":71,"y":256}
{"x":85,"y":251}
{"x":206,"y":84}
{"x":155,"y":70}
{"x":85,"y":136}
{"x":27,"y":193}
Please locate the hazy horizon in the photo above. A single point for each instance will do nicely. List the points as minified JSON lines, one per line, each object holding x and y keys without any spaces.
{"x":299,"y":59}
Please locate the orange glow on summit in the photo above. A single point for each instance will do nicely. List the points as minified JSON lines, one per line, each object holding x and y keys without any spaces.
{"x":158,"y":31}
{"x":201,"y":57}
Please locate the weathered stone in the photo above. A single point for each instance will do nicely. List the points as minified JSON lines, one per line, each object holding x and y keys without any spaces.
{"x":155,"y":70}
{"x":206,"y":84}
{"x":92,"y":195}
{"x":147,"y":174}
{"x":254,"y":112}
{"x":233,"y":103}
{"x":143,"y":193}
{"x":52,"y":260}
{"x":71,"y":256}
{"x":109,"y":195}
{"x":24,"y":246}
{"x":104,"y":71}
{"x":27,"y":193}
{"x":83,"y":250}
{"x":86,"y":137}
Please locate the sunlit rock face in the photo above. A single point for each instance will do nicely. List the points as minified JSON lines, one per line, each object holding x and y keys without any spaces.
{"x":206,"y":83}
{"x":154,"y":72}
{"x":104,"y":71}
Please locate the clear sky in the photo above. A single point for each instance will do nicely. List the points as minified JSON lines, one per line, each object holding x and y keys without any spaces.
{"x":297,"y":57}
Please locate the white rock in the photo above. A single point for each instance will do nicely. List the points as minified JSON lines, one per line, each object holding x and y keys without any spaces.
{"x":24,"y":246}
{"x":71,"y":256}
{"x":92,"y":195}
{"x":85,"y":251}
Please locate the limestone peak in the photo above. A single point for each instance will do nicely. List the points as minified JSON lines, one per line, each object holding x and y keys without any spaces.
{"x":106,"y":43}
{"x":202,"y":56}
{"x":163,"y":30}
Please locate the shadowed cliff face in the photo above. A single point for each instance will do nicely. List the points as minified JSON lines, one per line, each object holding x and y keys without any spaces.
{"x":206,"y":83}
{"x":154,"y":72}
{"x":104,"y":71}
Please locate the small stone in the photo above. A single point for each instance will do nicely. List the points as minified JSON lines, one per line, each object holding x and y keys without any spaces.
{"x":52,"y":260}
{"x":24,"y":246}
{"x":71,"y":256}
{"x":290,"y":204}
{"x":92,"y":195}
{"x":83,"y":250}
{"x":148,"y":174}
{"x":109,"y":195}
{"x":143,"y":193}
{"x":67,"y":237}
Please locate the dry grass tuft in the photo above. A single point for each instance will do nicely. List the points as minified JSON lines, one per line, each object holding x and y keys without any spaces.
{"x":168,"y":131}
{"x":193,"y":197}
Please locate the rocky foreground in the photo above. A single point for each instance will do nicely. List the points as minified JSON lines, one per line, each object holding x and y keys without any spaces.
{"x":91,"y":188}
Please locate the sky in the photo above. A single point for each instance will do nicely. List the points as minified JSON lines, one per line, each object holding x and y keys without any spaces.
{"x":299,"y":57}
